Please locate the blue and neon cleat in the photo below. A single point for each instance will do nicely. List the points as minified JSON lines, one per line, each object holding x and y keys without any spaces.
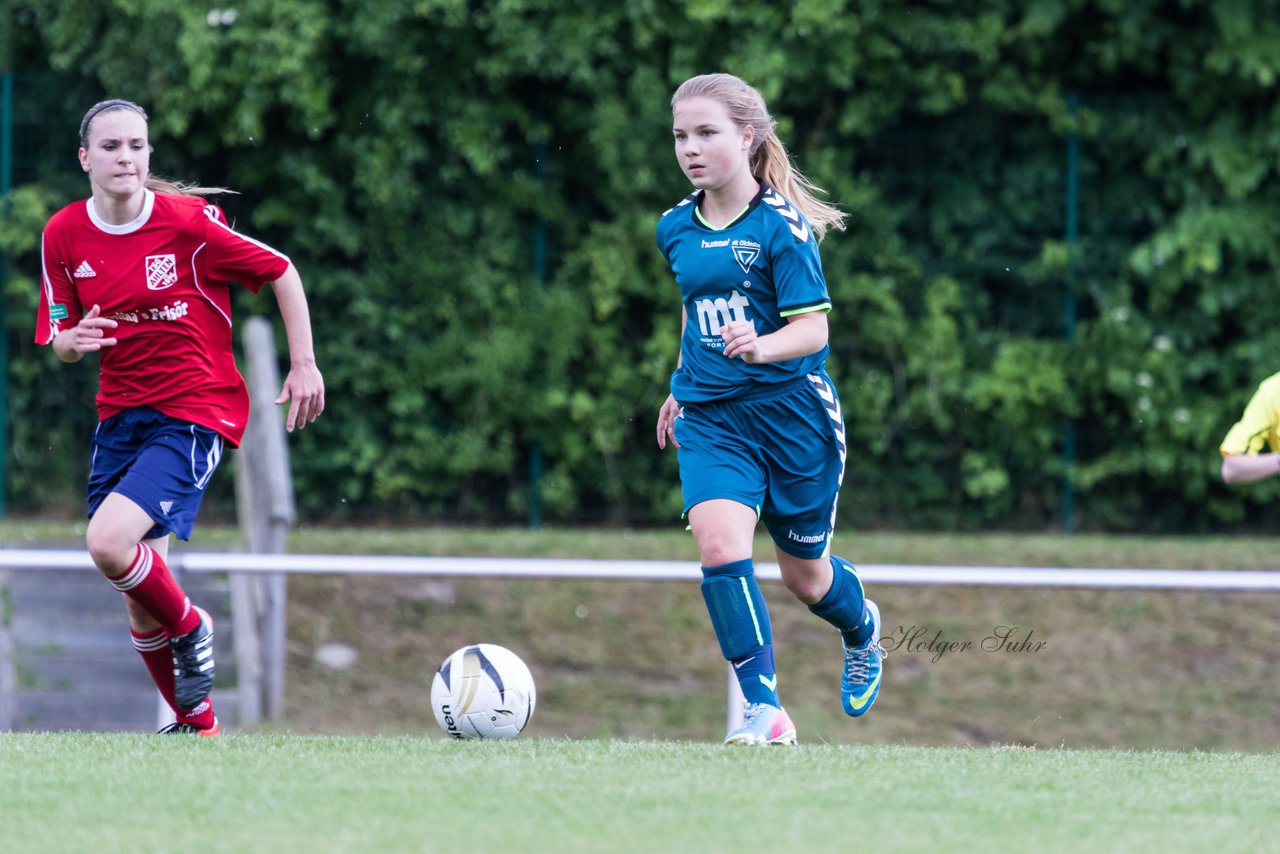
{"x":860,"y":682}
{"x":763,"y":724}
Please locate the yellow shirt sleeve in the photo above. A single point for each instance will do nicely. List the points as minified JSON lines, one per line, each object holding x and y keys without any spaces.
{"x":1259,"y":426}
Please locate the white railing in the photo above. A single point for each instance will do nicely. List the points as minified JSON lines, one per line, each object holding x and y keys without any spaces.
{"x":271,"y":672}
{"x":660,"y":570}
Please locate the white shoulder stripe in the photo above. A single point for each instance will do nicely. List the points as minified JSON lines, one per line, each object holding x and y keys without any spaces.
{"x":48,"y":292}
{"x":685,"y":201}
{"x":213,"y":217}
{"x":795,"y":222}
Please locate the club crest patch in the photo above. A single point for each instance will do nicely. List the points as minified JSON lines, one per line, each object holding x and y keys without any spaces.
{"x":746,"y":256}
{"x":162,"y":272}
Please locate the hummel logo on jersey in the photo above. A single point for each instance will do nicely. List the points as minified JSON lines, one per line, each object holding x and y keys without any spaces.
{"x":162,"y":272}
{"x":84,"y":271}
{"x":165,"y":507}
{"x":805,"y":538}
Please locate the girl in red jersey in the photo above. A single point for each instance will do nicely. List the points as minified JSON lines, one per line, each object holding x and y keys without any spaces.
{"x":141,"y":273}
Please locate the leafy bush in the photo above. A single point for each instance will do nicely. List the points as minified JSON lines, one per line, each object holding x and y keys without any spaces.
{"x":470,"y":192}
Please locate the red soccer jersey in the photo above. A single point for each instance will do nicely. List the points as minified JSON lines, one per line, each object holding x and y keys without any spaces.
{"x":166,"y":279}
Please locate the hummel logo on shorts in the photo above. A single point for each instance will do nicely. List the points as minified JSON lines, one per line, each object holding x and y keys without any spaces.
{"x":84,"y":271}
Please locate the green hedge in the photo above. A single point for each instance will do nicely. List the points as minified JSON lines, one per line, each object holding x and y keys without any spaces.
{"x":470,"y":191}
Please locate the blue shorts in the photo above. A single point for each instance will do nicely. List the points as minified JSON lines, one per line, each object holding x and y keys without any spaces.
{"x":781,"y":453}
{"x":160,"y":463}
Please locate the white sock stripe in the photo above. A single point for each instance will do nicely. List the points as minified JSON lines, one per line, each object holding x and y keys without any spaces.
{"x":137,"y":573}
{"x":151,"y":644}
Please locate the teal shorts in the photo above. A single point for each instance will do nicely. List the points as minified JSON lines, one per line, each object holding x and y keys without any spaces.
{"x":780,"y":452}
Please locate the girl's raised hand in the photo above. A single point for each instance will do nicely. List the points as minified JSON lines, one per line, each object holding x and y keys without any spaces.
{"x":91,"y":332}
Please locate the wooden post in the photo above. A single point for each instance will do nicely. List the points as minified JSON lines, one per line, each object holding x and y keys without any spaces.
{"x":264,"y":491}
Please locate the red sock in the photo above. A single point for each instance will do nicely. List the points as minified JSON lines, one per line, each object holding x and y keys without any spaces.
{"x":149,"y":583}
{"x":154,"y":649}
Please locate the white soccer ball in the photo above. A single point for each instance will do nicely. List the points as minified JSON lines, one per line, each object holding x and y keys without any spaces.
{"x":483,"y":691}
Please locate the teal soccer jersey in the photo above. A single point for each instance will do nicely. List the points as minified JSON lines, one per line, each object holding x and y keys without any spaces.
{"x":762,"y":267}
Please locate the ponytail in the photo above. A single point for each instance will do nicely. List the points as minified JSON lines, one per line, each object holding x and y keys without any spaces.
{"x":771,"y":164}
{"x":182,"y":188}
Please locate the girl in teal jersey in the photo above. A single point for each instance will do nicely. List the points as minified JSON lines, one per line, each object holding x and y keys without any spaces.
{"x":755,"y":419}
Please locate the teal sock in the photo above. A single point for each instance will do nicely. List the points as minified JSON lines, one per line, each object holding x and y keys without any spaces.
{"x":741,"y":622}
{"x":844,"y":606}
{"x":757,"y":676}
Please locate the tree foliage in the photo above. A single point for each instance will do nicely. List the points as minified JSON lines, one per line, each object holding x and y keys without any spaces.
{"x":470,"y":191}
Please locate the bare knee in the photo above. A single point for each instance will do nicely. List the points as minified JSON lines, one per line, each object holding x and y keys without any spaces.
{"x":112,"y":552}
{"x":115,"y":530}
{"x":808,"y":580}
{"x":718,"y":550}
{"x":723,"y":530}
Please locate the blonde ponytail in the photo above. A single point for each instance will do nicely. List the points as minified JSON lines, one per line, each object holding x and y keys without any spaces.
{"x":769,"y":159}
{"x":771,"y":164}
{"x":182,"y":188}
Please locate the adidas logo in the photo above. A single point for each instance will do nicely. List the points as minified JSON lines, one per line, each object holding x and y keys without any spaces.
{"x":84,"y":271}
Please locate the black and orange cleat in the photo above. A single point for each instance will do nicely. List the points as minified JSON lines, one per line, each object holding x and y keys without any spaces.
{"x":191,"y":729}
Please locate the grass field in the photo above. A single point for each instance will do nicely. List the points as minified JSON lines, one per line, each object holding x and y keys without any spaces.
{"x":79,"y":792}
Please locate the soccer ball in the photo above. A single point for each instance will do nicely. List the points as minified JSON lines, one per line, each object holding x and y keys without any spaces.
{"x":483,"y":691}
